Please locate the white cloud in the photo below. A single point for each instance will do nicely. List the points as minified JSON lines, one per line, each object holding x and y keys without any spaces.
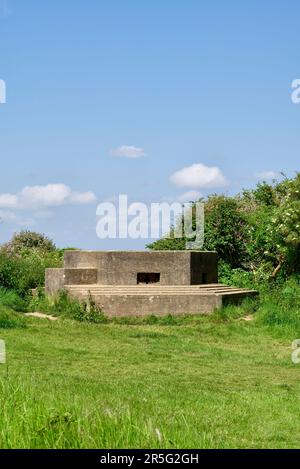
{"x":268,"y":175}
{"x":190,"y":196}
{"x":199,"y":176}
{"x":50,"y":195}
{"x":128,"y":151}
{"x":8,"y":201}
{"x":82,"y":197}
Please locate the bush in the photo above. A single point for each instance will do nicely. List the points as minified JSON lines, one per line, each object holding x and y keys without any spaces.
{"x":27,"y":241}
{"x":225,"y":231}
{"x":257,"y":231}
{"x":68,"y":307}
{"x":281,"y":306}
{"x":27,"y":271}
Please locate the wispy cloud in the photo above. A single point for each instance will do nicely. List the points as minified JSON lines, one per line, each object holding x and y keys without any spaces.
{"x":128,"y":151}
{"x":199,"y":176}
{"x":189,"y":196}
{"x":268,"y":175}
{"x":8,"y":201}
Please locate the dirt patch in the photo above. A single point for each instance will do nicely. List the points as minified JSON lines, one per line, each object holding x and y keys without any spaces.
{"x":250,"y":317}
{"x":42,"y":316}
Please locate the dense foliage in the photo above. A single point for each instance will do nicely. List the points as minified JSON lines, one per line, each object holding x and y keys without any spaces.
{"x":27,"y":241}
{"x":257,"y":231}
{"x":24,"y":259}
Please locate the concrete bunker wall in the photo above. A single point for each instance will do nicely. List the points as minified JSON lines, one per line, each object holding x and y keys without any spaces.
{"x":133,"y":267}
{"x":204,"y":268}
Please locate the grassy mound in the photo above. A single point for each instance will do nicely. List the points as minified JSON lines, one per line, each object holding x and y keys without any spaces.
{"x":9,"y":319}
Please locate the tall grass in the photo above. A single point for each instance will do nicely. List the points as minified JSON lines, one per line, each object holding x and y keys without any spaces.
{"x":65,"y":306}
{"x":9,"y":319}
{"x":10,"y":303}
{"x":11,"y":299}
{"x":207,"y":385}
{"x":69,"y":421}
{"x":280,"y":307}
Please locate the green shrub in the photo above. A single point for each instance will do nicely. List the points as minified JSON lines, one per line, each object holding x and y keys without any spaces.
{"x":225,"y":231}
{"x":10,"y":272}
{"x":241,"y":278}
{"x":248,"y":307}
{"x":28,"y":241}
{"x":64,"y":305}
{"x":257,"y":231}
{"x":23,"y":261}
{"x":24,"y":273}
{"x":281,"y":306}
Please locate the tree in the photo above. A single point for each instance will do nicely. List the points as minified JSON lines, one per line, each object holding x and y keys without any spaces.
{"x":27,"y":241}
{"x":258,"y":230}
{"x":224,"y":231}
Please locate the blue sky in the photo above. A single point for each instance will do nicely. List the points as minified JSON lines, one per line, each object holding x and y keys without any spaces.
{"x":152,"y":99}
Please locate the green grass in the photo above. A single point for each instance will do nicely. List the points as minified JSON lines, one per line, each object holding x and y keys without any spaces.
{"x":195,"y":382}
{"x":10,"y":299}
{"x":9,"y":319}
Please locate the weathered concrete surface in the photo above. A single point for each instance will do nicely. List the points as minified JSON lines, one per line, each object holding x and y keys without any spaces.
{"x":54,"y":281}
{"x":137,"y":283}
{"x":203,"y":268}
{"x":80,"y":276}
{"x":158,"y":300}
{"x":122,"y":267}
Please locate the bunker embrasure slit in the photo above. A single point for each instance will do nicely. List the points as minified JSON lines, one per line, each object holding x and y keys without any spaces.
{"x":148,"y":277}
{"x":204,"y":278}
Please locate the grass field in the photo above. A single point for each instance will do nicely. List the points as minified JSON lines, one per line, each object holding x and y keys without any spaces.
{"x":200,"y":382}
